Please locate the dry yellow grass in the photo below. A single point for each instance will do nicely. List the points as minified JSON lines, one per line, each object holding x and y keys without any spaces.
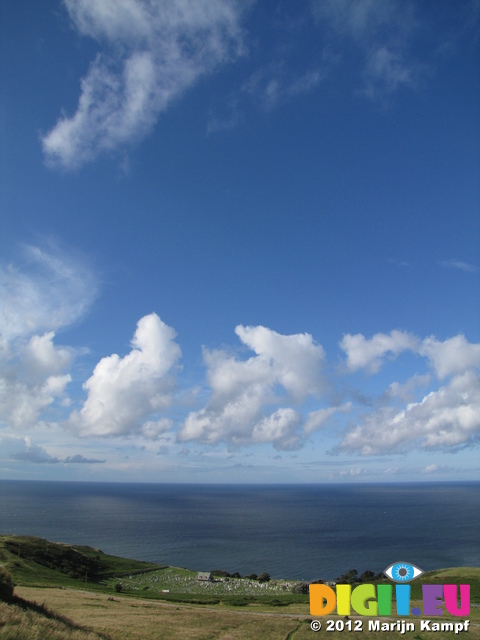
{"x":135,"y":619}
{"x":16,"y":624}
{"x":125,"y":618}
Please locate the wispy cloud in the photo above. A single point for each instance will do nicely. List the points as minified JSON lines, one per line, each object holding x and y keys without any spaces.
{"x":48,"y":291}
{"x":272,"y":86}
{"x":382,"y":30}
{"x":152,"y":53}
{"x":459,"y":265}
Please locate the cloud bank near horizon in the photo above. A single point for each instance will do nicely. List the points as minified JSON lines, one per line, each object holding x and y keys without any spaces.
{"x":283,"y":394}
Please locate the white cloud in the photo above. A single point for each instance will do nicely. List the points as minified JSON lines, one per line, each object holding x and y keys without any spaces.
{"x":368,"y":354}
{"x":243,"y":391}
{"x":21,"y":403}
{"x":451,"y":356}
{"x":406,"y":392}
{"x":295,"y":360}
{"x":123,"y":393}
{"x":317,"y":419}
{"x":448,"y":417}
{"x":444,"y":419}
{"x":157,"y":50}
{"x":49,"y":291}
{"x":42,"y":358}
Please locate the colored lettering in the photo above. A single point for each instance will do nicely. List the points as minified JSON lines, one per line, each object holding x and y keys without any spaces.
{"x":384,"y":595}
{"x":343,"y":599}
{"x":432,"y":599}
{"x":402,"y":592}
{"x":371,"y":600}
{"x":322,"y":599}
{"x":451,"y":603}
{"x":361,"y":595}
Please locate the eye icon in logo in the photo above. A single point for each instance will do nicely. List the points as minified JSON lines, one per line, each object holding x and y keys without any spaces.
{"x":402,"y":572}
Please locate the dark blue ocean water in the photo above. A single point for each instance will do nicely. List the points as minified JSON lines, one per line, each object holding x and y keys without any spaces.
{"x":295,"y":531}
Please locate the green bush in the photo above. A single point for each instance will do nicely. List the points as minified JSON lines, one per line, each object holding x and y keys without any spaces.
{"x":6,"y":585}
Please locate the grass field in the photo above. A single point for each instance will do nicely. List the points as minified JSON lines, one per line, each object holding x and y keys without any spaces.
{"x":69,"y":608}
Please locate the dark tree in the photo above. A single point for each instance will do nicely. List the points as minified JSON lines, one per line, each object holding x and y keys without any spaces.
{"x":350,"y":577}
{"x":264,"y":577}
{"x":367,"y":576}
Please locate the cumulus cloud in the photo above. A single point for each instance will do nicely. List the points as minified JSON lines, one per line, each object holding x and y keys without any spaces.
{"x":406,"y":392}
{"x":368,"y":354}
{"x":451,"y":356}
{"x":285,"y":367}
{"x":448,"y":418}
{"x":22,"y":403}
{"x":153,"y":52}
{"x":123,"y":393}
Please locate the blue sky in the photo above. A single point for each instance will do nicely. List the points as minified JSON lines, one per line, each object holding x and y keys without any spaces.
{"x":239,"y":240}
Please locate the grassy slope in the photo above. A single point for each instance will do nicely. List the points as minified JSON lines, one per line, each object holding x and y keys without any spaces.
{"x":38,"y":563}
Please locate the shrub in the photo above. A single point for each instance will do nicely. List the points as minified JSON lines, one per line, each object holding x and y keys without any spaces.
{"x":264,"y":577}
{"x":6,"y":585}
{"x":300,"y":587}
{"x":217,"y":573}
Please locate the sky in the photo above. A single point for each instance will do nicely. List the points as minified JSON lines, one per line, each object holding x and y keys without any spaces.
{"x":239,"y":240}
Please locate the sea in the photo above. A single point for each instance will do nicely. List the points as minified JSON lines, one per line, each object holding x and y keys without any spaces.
{"x":303,"y":532}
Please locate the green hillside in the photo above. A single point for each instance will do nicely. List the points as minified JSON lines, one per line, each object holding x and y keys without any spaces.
{"x":37,"y":562}
{"x":34,"y":561}
{"x":85,"y":593}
